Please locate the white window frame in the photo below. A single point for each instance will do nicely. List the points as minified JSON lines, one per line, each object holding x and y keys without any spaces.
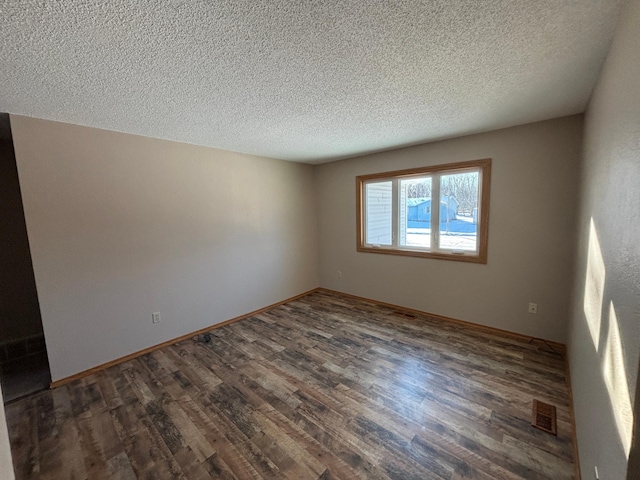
{"x":483,"y":167}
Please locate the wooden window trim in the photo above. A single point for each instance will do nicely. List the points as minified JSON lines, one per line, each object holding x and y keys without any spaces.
{"x":484,"y":165}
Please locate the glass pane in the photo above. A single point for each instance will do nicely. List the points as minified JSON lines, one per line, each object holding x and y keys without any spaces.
{"x":459,"y":211}
{"x":378,"y":213}
{"x":415,"y":212}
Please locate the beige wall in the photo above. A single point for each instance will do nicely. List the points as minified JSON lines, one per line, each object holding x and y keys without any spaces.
{"x":531,"y":232}
{"x":605,"y":328}
{"x":121,"y":226}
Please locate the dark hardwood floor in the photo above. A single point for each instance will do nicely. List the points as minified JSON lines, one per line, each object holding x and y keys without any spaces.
{"x":323,"y":387}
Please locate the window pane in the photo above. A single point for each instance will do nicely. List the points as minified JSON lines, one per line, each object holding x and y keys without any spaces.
{"x":415,"y":212}
{"x":459,"y":211}
{"x":378,"y":207}
{"x":396,"y":215}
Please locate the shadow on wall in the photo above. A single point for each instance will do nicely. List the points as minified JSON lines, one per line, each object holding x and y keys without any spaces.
{"x":604,"y":327}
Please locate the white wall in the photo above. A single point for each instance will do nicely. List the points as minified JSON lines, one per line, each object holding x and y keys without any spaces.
{"x":531,"y":232}
{"x":6,"y":464}
{"x":604,"y":339}
{"x":121,"y":226}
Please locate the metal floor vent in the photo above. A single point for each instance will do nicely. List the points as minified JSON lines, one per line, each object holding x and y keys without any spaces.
{"x":544,"y":417}
{"x":404,"y":314}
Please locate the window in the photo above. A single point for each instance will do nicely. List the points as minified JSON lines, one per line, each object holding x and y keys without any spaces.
{"x":396,"y":214}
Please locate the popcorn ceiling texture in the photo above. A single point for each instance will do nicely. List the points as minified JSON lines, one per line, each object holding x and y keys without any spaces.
{"x":305,"y":81}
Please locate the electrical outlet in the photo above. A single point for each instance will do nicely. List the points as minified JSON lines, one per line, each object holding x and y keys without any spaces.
{"x":533,"y":308}
{"x":339,"y":274}
{"x":155,"y":317}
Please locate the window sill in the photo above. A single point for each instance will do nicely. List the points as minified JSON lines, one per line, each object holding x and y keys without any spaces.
{"x":405,"y":252}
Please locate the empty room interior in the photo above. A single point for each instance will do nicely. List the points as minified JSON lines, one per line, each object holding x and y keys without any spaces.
{"x":220,"y":256}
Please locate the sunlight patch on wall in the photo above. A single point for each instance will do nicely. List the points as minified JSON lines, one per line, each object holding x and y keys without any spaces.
{"x":615,"y":375}
{"x":594,"y":285}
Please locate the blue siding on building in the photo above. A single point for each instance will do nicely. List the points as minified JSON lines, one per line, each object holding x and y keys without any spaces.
{"x":419,"y":209}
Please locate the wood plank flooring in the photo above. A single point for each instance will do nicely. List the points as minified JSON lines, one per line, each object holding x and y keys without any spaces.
{"x":324,"y":387}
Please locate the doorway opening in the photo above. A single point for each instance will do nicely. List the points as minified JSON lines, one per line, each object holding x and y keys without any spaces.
{"x":24,"y":366}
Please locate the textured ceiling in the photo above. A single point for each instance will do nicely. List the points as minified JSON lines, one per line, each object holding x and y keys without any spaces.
{"x":308,"y":81}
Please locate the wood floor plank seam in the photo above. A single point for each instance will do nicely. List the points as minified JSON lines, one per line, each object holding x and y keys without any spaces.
{"x":324,"y":387}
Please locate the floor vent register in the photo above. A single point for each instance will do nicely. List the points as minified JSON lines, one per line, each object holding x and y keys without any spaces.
{"x":544,"y":417}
